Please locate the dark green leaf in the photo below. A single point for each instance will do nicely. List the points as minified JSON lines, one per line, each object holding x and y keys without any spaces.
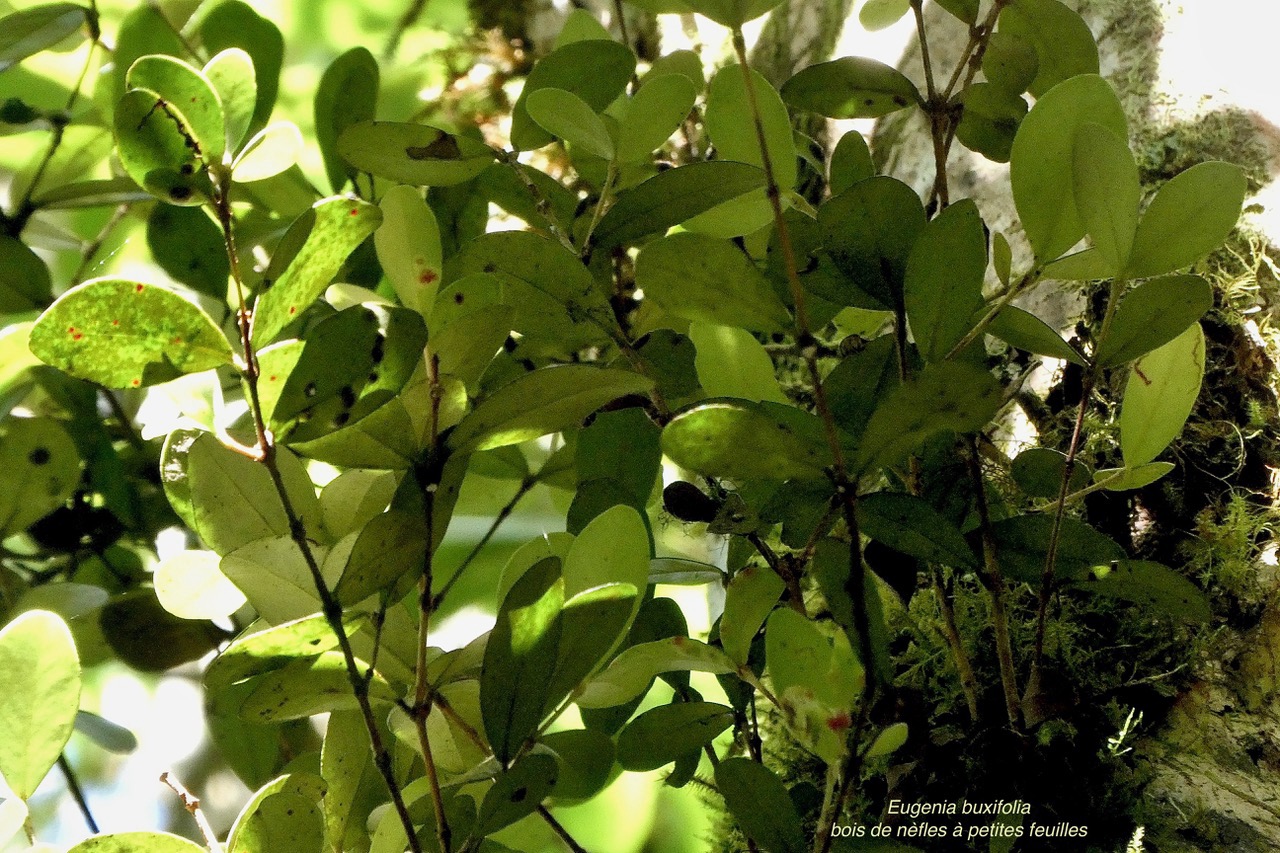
{"x":624,"y":446}
{"x":147,"y":637}
{"x":663,"y":734}
{"x":759,"y":802}
{"x":860,"y":382}
{"x":869,"y":230}
{"x":1025,"y":331}
{"x":1039,"y":472}
{"x":730,"y":13}
{"x":747,"y":441}
{"x":143,"y":32}
{"x":520,"y":658}
{"x":850,"y":162}
{"x":596,"y":71}
{"x":1189,"y":217}
{"x":586,"y":762}
{"x":944,"y":279}
{"x":672,"y":197}
{"x":188,"y":245}
{"x":25,"y":284}
{"x":348,"y":93}
{"x":909,"y":524}
{"x":414,"y":154}
{"x":945,"y":397}
{"x":1152,"y":584}
{"x":97,"y":193}
{"x":124,"y":334}
{"x":990,"y":121}
{"x":850,"y":87}
{"x":592,"y":622}
{"x":1161,"y":392}
{"x":1064,"y":46}
{"x":29,"y":31}
{"x":339,"y":225}
{"x":543,"y":402}
{"x":1010,"y":62}
{"x":41,"y":673}
{"x":1042,"y":165}
{"x":517,"y":792}
{"x":1022,"y":546}
{"x":1107,"y":191}
{"x":1152,"y":314}
{"x":631,"y":672}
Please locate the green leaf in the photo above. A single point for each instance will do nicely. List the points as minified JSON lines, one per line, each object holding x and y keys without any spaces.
{"x":730,"y":362}
{"x":596,"y":71}
{"x":304,"y":688}
{"x":851,"y":87}
{"x":542,"y":402}
{"x":232,"y":76}
{"x":25,"y":284}
{"x":1041,"y":164}
{"x":1159,"y":396}
{"x":850,"y":162}
{"x":730,"y":123}
{"x":344,"y":760}
{"x":759,"y":802}
{"x":147,"y":637}
{"x":1189,"y":217}
{"x":154,"y":144}
{"x":338,"y":226}
{"x":801,"y":655}
{"x":409,"y":250}
{"x":517,"y":793}
{"x":672,"y":197}
{"x":747,"y":441}
{"x":593,"y":622}
{"x":748,"y":600}
{"x":731,"y":13}
{"x":28,"y":31}
{"x":189,"y":246}
{"x":1022,"y":546}
{"x":227,"y":498}
{"x":185,"y":92}
{"x":236,"y":24}
{"x":415,"y":154}
{"x":1025,"y":331}
{"x":1152,"y":314}
{"x":990,"y":121}
{"x":271,"y":150}
{"x":94,"y":193}
{"x":622,"y":446}
{"x":944,"y":278}
{"x":1107,"y":191}
{"x":1064,"y":46}
{"x":707,"y":280}
{"x":878,"y":14}
{"x":869,"y":230}
{"x":391,"y":548}
{"x":661,"y":735}
{"x":631,"y":672}
{"x":581,"y":25}
{"x":520,"y":658}
{"x":124,"y":334}
{"x":586,"y":759}
{"x":348,"y":93}
{"x":106,"y":734}
{"x":190,"y":585}
{"x":271,"y":648}
{"x":613,"y":548}
{"x":137,"y":842}
{"x":1136,"y":477}
{"x":1152,"y":584}
{"x":858,"y":383}
{"x":944,"y":397}
{"x":654,"y":112}
{"x":41,"y":674}
{"x":144,"y":31}
{"x":275,"y":577}
{"x":888,"y":741}
{"x":909,"y":524}
{"x":39,"y":471}
{"x":1010,"y":62}
{"x":284,"y":813}
{"x":965,"y":10}
{"x":568,"y":117}
{"x":1038,"y":471}
{"x":353,"y":498}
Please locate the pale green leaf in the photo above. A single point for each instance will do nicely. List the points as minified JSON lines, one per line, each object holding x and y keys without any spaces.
{"x":730,"y":362}
{"x":1162,"y":389}
{"x":568,"y":117}
{"x":39,"y":470}
{"x":232,"y":76}
{"x":631,"y":672}
{"x":748,"y":600}
{"x":1107,"y":191}
{"x":190,"y":585}
{"x":272,"y":150}
{"x":408,"y":247}
{"x":414,"y":154}
{"x":1189,"y":217}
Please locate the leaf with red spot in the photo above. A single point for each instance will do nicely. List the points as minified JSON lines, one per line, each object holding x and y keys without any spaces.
{"x":123,"y":334}
{"x":340,"y":225}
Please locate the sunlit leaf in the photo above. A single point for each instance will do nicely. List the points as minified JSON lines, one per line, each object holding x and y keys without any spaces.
{"x":39,"y":470}
{"x":271,"y":150}
{"x":1161,"y":391}
{"x":1189,"y":217}
{"x":41,"y":674}
{"x":742,"y":440}
{"x":190,"y":585}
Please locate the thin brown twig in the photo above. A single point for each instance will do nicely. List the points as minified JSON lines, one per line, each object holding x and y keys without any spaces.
{"x":77,"y":793}
{"x":559,"y":830}
{"x":192,"y":805}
